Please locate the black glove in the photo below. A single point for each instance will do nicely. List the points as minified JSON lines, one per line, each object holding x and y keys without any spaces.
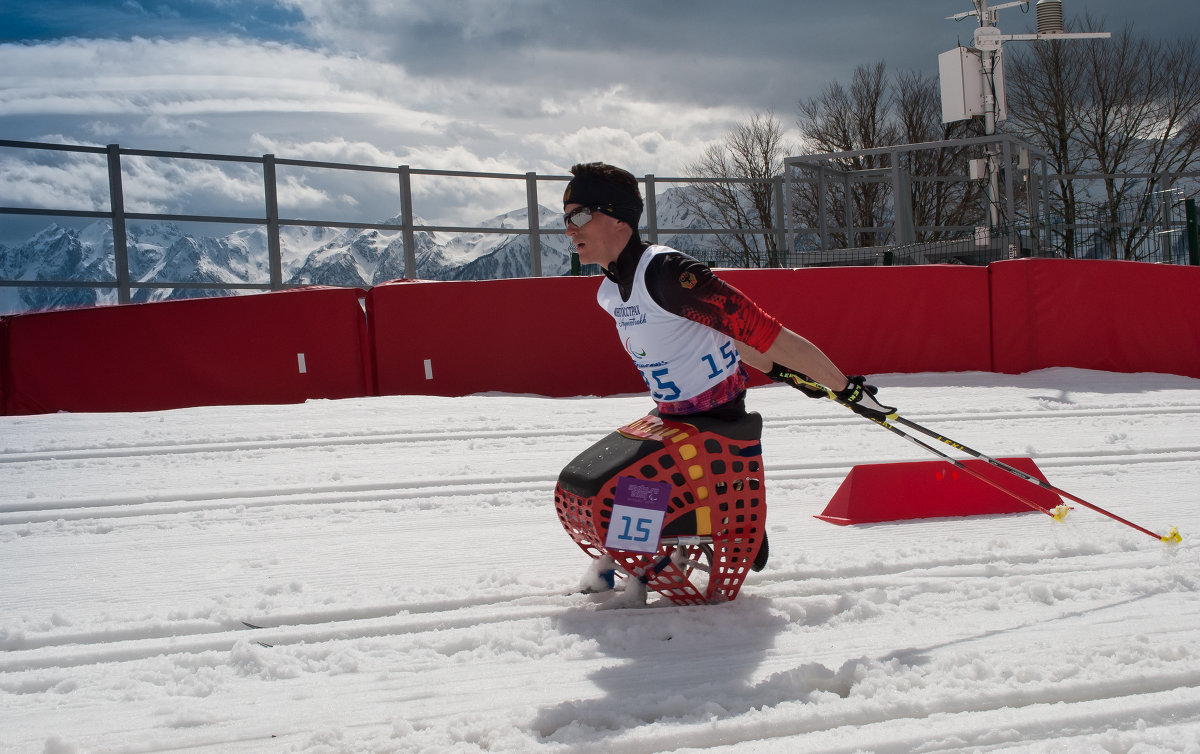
{"x":860,"y":397}
{"x":801,"y":382}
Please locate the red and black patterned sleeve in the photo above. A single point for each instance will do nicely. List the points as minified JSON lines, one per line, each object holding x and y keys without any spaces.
{"x":688,"y":288}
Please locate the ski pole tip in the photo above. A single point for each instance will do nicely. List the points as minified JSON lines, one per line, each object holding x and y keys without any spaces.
{"x":1060,"y":512}
{"x":1173,"y":538}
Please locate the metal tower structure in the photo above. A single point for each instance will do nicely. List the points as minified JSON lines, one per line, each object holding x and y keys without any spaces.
{"x":972,"y":78}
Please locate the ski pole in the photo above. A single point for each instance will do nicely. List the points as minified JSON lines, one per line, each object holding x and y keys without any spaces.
{"x":1171,"y":538}
{"x":797,"y":379}
{"x":1058,"y":513}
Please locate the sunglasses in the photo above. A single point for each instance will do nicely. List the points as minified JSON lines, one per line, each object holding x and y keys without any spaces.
{"x":580,"y":216}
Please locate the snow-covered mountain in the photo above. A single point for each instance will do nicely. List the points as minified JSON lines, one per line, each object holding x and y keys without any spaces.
{"x":310,"y":255}
{"x":57,"y":253}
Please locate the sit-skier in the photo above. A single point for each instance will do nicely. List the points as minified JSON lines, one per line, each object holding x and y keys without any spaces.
{"x":685,"y":483}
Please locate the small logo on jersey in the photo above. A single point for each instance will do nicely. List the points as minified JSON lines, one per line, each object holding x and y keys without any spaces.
{"x":687,"y":280}
{"x":629,"y":316}
{"x":637,"y":354}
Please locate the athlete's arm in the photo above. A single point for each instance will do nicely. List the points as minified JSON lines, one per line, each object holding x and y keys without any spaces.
{"x":686,"y":287}
{"x":796,"y":352}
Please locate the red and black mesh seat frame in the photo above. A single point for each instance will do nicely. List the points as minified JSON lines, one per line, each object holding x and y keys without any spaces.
{"x":715,"y":470}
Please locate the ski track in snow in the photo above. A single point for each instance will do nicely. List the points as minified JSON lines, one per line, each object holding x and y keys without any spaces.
{"x":414,"y":589}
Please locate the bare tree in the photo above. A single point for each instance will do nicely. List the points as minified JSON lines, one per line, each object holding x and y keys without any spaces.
{"x":940,"y":198}
{"x":1141,"y":96}
{"x":1124,"y":108}
{"x":845,"y":119}
{"x":1041,"y":89}
{"x":876,"y":110}
{"x":742,"y":171}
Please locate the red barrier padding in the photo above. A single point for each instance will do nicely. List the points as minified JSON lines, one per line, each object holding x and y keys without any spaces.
{"x":874,"y":493}
{"x":1107,"y":315}
{"x":544,"y":336}
{"x":282,"y":347}
{"x":547,"y":335}
{"x":932,"y":318}
{"x":5,"y":363}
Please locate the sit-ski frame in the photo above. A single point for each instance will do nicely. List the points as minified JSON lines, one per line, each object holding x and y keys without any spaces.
{"x":716,"y":487}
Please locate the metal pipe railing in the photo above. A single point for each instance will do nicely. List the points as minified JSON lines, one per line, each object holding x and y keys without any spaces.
{"x":783,"y":232}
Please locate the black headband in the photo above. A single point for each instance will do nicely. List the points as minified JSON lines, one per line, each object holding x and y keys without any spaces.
{"x":613,"y":199}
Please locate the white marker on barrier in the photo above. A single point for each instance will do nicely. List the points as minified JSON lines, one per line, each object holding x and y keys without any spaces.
{"x":428,"y":369}
{"x":301,"y":364}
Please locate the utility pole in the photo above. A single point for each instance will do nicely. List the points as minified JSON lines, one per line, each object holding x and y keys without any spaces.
{"x":972,"y":78}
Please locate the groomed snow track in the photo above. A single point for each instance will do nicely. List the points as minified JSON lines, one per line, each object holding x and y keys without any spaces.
{"x":413,"y":587}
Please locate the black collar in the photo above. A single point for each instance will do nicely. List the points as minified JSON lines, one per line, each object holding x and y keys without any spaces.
{"x":622,"y":270}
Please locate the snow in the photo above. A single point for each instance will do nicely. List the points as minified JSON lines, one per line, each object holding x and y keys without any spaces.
{"x":413,"y":583}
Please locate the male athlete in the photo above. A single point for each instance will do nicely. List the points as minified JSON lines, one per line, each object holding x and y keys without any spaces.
{"x":689,"y":334}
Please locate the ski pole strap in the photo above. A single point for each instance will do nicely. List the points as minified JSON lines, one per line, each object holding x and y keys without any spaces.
{"x":857,"y":396}
{"x":800,"y":381}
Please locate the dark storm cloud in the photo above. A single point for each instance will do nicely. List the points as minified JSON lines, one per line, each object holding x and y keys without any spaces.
{"x":758,"y":54}
{"x":470,"y":85}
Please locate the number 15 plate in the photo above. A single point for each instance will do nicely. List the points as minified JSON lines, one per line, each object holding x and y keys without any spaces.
{"x":637,"y":517}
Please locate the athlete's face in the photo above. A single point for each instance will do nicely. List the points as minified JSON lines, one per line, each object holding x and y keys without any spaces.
{"x":599,"y":240}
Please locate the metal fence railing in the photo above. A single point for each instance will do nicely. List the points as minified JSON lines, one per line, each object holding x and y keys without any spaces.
{"x":124,"y":274}
{"x":1167,"y":235}
{"x":123,"y":282}
{"x":124,"y":271}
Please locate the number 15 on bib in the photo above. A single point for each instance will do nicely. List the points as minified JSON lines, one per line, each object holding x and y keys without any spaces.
{"x":637,"y":516}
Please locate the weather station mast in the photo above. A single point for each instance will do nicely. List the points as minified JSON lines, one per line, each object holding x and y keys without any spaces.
{"x":972,"y":79}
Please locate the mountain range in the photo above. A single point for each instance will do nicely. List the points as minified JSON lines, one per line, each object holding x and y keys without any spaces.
{"x":165,"y":252}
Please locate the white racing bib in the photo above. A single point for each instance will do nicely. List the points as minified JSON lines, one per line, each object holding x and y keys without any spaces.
{"x":678,"y":358}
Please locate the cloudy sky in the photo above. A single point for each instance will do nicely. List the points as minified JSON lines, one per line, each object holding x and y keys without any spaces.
{"x":481,"y":85}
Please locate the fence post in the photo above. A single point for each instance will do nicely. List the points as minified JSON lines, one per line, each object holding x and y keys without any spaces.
{"x":785,"y":211}
{"x":822,"y":215}
{"x":651,"y":215}
{"x":274,"y":255}
{"x":116,"y":200}
{"x":535,"y":224}
{"x":903,"y":229}
{"x":406,"y":218}
{"x":781,"y":249}
{"x":848,"y":211}
{"x":1193,"y":235}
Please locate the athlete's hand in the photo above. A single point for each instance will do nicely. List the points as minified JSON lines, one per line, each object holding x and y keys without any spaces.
{"x":861,"y":398}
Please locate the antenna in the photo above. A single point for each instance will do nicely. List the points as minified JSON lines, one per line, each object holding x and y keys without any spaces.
{"x":972,"y":78}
